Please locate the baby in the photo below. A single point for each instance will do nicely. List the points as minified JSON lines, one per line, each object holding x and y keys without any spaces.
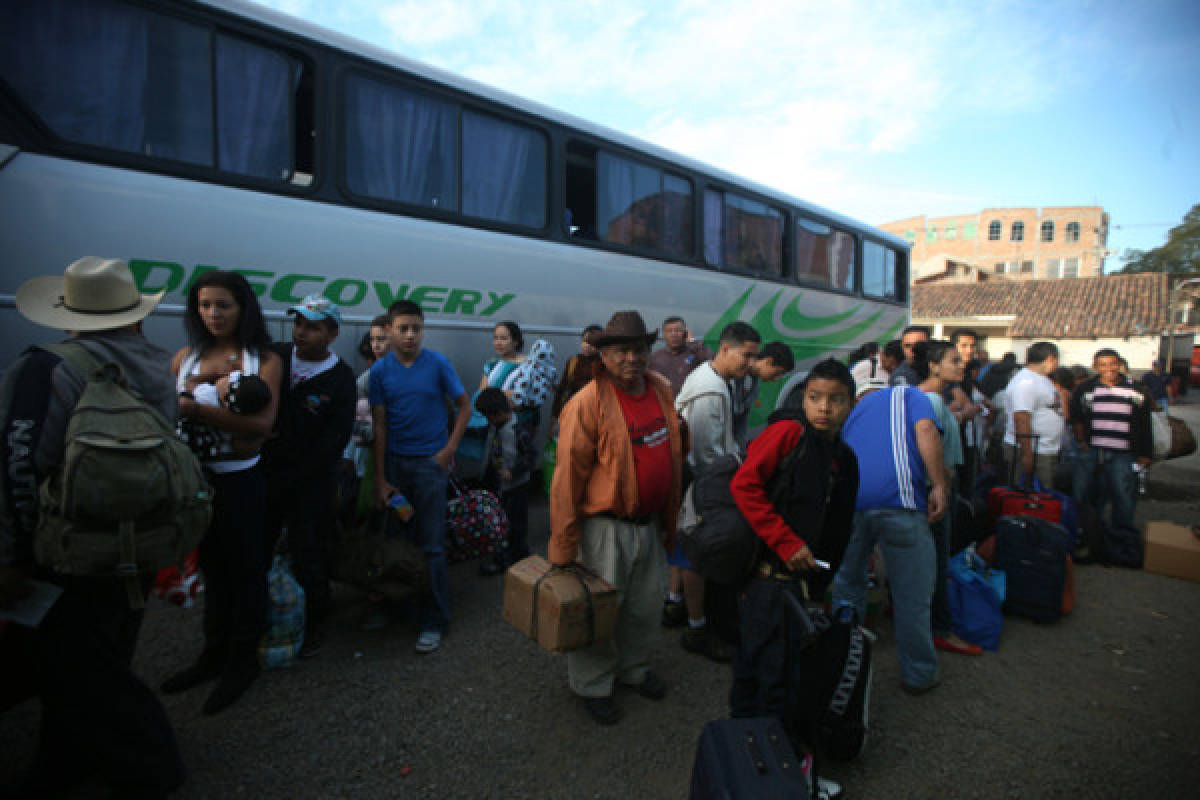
{"x":241,"y":394}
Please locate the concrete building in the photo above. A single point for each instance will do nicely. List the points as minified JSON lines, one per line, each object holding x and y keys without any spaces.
{"x":1007,"y":244}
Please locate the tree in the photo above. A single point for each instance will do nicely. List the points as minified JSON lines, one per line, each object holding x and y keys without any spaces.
{"x":1179,"y":256}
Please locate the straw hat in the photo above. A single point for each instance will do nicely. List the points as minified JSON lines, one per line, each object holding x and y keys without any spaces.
{"x":94,"y":294}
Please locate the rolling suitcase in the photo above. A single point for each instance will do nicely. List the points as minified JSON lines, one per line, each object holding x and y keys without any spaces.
{"x":1013,"y":501}
{"x":749,"y":758}
{"x":1034,"y":554}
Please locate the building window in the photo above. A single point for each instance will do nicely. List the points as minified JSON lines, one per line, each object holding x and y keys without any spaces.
{"x":1054,"y":268}
{"x":1048,"y":231}
{"x":1070,"y":267}
{"x":910,"y":235}
{"x":970,"y":230}
{"x":1018,"y":232}
{"x":1072,"y":231}
{"x":999,"y":268}
{"x":951,"y":232}
{"x":1027,"y":267}
{"x":931,"y":234}
{"x":994,"y":231}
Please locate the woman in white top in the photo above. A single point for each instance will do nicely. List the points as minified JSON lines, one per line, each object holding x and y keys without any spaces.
{"x":226,"y":327}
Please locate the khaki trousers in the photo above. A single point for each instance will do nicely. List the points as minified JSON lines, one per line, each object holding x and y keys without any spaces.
{"x":631,"y":558}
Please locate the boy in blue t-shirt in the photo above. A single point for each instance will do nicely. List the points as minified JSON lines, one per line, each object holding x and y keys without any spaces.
{"x":407,"y":390}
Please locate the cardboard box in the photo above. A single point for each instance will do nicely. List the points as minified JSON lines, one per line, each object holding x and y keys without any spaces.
{"x":562,"y":621}
{"x":1172,"y":550}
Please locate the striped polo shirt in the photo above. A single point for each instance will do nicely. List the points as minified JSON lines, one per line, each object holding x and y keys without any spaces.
{"x":1110,"y":411}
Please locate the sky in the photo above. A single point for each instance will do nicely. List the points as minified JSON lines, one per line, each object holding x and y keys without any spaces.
{"x":878,"y":110}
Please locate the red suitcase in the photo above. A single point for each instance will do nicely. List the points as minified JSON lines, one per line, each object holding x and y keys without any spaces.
{"x":1004,"y":501}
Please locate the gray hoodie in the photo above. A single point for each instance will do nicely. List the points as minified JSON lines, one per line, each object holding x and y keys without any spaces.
{"x":704,"y":402}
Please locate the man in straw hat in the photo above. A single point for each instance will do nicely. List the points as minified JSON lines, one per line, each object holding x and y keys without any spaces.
{"x":613,"y":506}
{"x":97,"y":716}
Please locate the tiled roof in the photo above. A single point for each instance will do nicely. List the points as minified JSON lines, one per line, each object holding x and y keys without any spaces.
{"x":1105,"y":305}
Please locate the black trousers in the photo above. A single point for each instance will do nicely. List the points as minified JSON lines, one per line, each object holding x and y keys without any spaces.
{"x":97,"y":716}
{"x":516,"y":507}
{"x":233,"y":559}
{"x":308,"y":510}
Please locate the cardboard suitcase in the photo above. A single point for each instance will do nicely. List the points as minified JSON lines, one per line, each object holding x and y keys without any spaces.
{"x":560,"y":609}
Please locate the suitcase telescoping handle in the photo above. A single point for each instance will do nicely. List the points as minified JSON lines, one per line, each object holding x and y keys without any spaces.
{"x":1016,"y":459}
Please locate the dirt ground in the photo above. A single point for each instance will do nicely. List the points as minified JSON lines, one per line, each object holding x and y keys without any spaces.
{"x":1103,"y":704}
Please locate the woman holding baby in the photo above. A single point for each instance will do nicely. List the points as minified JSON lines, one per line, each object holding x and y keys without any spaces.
{"x":228,"y":339}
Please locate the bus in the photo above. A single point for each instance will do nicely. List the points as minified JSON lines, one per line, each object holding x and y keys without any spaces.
{"x":190,"y":136}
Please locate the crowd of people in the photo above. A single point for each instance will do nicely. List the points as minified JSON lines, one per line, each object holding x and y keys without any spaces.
{"x":862,"y":456}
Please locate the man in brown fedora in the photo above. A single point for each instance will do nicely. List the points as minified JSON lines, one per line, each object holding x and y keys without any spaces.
{"x":97,"y":716}
{"x":613,"y":506}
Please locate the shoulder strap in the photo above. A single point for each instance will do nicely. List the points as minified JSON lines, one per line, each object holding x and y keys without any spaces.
{"x":87,"y":365}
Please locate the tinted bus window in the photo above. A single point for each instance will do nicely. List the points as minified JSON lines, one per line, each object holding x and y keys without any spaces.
{"x":824,"y":256}
{"x":641,"y":206}
{"x":744,"y":233}
{"x":504,"y":171}
{"x":123,"y":78}
{"x":400,"y":145}
{"x":879,"y":271}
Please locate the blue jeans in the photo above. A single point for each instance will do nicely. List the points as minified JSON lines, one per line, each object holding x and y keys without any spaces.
{"x":943,"y":531}
{"x":1115,"y":480}
{"x":423,"y":482}
{"x":908,"y":549}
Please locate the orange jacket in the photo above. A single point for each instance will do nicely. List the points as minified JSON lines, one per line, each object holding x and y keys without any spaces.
{"x":595,"y":472}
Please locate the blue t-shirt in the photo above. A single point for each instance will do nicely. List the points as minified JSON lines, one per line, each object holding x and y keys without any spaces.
{"x":882,"y":431}
{"x":415,"y":398}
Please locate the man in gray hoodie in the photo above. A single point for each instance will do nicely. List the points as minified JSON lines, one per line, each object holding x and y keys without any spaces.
{"x":705,"y":403}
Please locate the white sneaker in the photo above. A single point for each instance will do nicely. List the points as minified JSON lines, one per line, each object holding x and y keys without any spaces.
{"x":429,"y":641}
{"x":827,"y":789}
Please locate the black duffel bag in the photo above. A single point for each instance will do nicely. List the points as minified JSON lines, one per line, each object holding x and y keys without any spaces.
{"x":712,"y":532}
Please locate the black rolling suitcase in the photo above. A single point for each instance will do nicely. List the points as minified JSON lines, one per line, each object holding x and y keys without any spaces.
{"x":1032,"y":552}
{"x":749,"y":758}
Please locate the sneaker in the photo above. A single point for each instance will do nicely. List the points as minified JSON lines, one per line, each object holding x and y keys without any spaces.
{"x":428,"y":641}
{"x":603,"y":710}
{"x":652,"y":687}
{"x":828,"y":790}
{"x":928,"y":686}
{"x":702,"y":642}
{"x":674,"y":614}
{"x":311,"y":645}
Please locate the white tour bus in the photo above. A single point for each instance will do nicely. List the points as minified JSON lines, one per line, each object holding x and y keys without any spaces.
{"x":185,"y":137}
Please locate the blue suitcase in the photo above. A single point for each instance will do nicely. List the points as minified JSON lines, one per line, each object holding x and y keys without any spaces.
{"x":749,"y":758}
{"x":1032,"y":552}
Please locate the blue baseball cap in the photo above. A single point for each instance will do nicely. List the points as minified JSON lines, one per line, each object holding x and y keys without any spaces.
{"x":317,"y":307}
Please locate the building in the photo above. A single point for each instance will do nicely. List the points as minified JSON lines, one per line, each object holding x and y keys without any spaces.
{"x":1007,"y":243}
{"x":1081,"y":315}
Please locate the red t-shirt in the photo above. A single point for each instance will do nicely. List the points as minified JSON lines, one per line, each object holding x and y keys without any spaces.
{"x":651,"y":441}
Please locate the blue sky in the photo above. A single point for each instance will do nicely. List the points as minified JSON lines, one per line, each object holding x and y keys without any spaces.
{"x":878,"y":110}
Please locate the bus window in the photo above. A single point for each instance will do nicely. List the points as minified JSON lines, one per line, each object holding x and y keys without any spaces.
{"x":880,"y":273}
{"x":123,"y":78}
{"x":504,"y":171}
{"x":641,"y":206}
{"x":400,"y":145}
{"x":742,"y":233}
{"x":824,"y":256}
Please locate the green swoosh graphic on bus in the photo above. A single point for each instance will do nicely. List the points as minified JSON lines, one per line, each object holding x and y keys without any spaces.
{"x":797,"y":321}
{"x":827,"y":340}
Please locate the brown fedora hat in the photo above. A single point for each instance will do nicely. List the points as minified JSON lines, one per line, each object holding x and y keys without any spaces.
{"x":624,"y":327}
{"x":94,"y":294}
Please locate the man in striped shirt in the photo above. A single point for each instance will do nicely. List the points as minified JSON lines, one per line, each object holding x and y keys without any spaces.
{"x":1111,"y":422}
{"x":901,"y":491}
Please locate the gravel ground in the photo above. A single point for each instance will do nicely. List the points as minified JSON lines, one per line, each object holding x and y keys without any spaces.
{"x":1103,"y":704}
